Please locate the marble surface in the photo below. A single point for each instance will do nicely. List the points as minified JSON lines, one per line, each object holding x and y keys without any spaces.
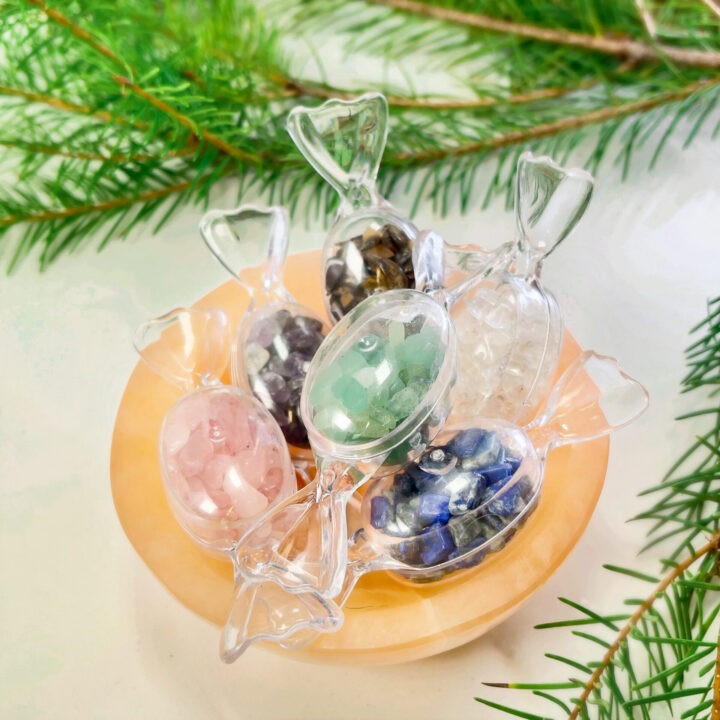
{"x":88,"y":632}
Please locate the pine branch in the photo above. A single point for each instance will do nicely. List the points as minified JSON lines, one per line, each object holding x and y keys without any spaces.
{"x":97,"y":93}
{"x":549,"y":129}
{"x":645,"y":607}
{"x":671,"y":629}
{"x":98,"y":207}
{"x":624,"y":48}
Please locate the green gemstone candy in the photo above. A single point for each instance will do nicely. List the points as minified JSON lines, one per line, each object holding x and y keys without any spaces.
{"x":377,"y":384}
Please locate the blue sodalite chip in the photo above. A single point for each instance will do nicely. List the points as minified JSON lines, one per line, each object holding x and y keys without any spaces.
{"x":423,"y":480}
{"x":407,"y":512}
{"x":437,"y":544}
{"x":434,"y":509}
{"x":514,"y":462}
{"x":381,"y":512}
{"x":488,"y":451}
{"x":465,"y":556}
{"x":467,"y":442}
{"x":466,"y":492}
{"x":497,"y":473}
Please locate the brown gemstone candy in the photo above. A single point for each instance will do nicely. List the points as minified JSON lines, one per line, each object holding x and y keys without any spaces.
{"x":380,"y":259}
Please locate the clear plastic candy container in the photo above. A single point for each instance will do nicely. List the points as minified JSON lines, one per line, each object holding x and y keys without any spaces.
{"x":224,"y":460}
{"x":369,"y":246}
{"x":278,"y":336}
{"x":509,"y":326}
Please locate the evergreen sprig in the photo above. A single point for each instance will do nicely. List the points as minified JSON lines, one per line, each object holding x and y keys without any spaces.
{"x":110,"y":114}
{"x":660,"y":657}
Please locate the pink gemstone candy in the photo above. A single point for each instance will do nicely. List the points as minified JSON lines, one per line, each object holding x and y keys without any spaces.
{"x":224,"y":462}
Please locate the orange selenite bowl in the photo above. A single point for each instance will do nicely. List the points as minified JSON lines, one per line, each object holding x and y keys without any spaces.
{"x":387,"y":619}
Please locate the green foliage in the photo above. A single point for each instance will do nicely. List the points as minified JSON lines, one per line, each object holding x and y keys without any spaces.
{"x":114,"y":114}
{"x":659,"y":658}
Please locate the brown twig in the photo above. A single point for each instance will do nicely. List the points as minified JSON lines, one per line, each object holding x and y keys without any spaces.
{"x":619,"y":47}
{"x":715,"y":7}
{"x":675,"y":573}
{"x":60,"y":104}
{"x":551,"y":128}
{"x":47,"y":215}
{"x":297,"y":87}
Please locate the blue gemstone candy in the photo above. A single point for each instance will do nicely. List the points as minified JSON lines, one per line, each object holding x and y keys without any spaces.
{"x":434,"y":508}
{"x":467,"y":442}
{"x":380,"y":512}
{"x":437,"y":544}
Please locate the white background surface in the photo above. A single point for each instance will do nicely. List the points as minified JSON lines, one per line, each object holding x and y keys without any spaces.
{"x":88,"y":632}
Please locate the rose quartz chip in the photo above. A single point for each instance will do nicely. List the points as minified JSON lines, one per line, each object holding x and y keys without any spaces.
{"x":224,"y":461}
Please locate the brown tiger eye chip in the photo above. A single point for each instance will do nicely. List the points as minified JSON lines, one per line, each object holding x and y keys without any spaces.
{"x":386,"y":257}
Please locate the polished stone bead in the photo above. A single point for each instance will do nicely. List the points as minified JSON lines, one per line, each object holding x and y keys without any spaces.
{"x":433,"y":508}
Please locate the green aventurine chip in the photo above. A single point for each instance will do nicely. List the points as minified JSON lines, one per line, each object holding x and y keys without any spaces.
{"x":376,"y":385}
